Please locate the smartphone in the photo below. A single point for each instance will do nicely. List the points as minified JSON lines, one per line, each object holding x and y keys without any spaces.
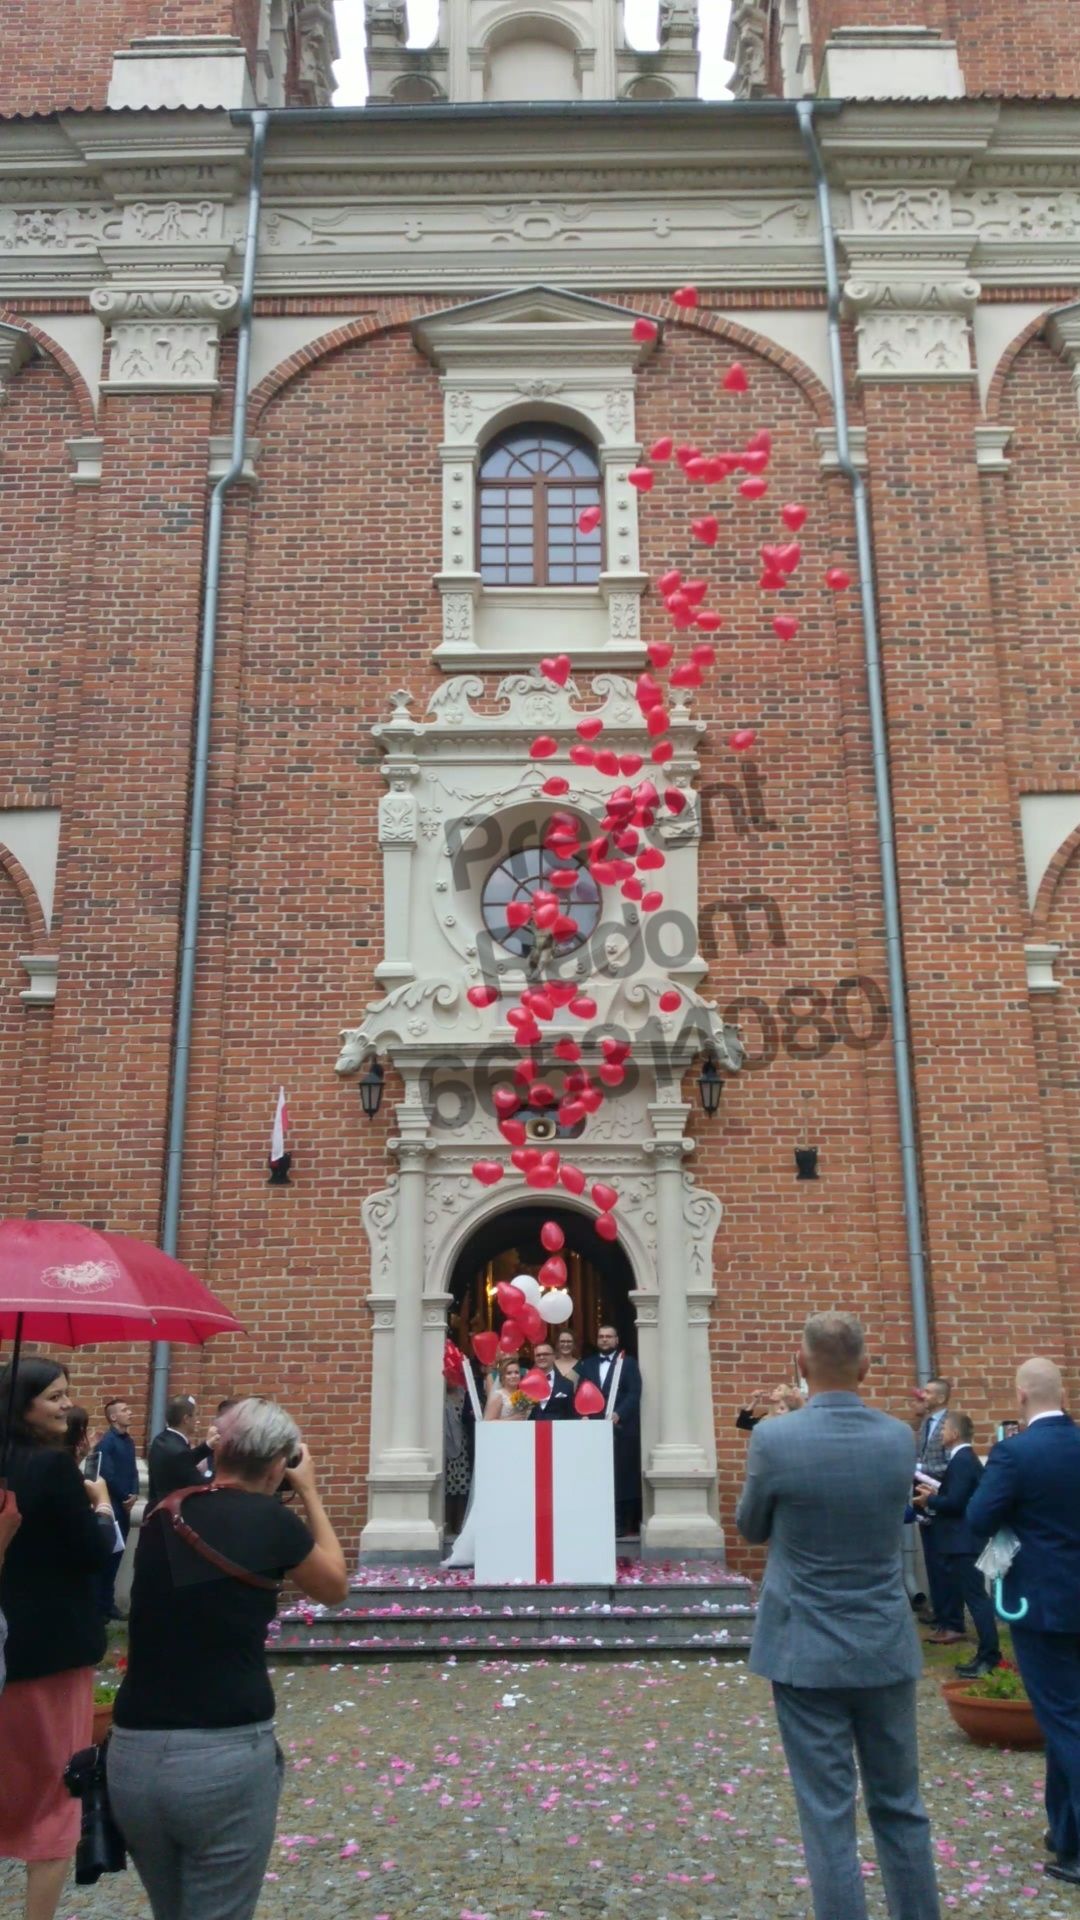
{"x":91,"y":1466}
{"x":1007,"y":1429}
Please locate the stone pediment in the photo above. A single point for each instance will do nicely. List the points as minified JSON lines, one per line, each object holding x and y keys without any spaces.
{"x":540,"y":322}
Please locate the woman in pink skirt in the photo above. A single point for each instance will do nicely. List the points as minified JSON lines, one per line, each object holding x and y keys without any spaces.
{"x":56,"y":1634}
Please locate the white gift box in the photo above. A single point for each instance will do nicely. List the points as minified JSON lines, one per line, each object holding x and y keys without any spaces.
{"x":544,"y":1503}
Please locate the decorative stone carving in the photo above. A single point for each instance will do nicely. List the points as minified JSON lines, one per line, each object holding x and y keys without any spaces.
{"x":86,"y":451}
{"x":747,"y":42}
{"x":318,"y":51}
{"x":164,"y":338}
{"x":990,"y":445}
{"x":397,"y":813}
{"x":16,"y":348}
{"x":1040,"y":961}
{"x":42,"y":969}
{"x":913,"y":328}
{"x":1063,"y":335}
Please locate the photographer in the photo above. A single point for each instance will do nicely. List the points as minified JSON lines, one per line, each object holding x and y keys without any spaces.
{"x":194,"y":1770}
{"x":55,"y":1633}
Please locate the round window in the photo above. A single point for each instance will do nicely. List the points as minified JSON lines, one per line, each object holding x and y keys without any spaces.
{"x":517,"y":879}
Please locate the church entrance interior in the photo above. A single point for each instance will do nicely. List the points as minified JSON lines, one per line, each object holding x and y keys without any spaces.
{"x":600,"y":1278}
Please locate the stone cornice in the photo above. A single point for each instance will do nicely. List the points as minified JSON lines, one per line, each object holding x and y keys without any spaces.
{"x":722,"y":198}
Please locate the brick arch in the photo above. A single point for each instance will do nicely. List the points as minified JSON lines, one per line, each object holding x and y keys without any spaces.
{"x":1045,"y":900}
{"x":27,"y":893}
{"x":83,"y":398}
{"x":996,"y":390}
{"x":402,"y":313}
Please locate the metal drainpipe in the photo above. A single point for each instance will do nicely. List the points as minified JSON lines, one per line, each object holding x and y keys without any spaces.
{"x":174,"y":1174}
{"x":894,"y":947}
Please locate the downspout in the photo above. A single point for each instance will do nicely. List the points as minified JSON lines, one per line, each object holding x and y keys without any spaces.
{"x":894,"y":947}
{"x":174,"y":1173}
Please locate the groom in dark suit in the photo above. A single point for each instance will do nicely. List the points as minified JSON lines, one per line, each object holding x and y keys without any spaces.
{"x":559,"y":1404}
{"x":601,"y":1369}
{"x":1032,"y":1484}
{"x":959,"y":1547}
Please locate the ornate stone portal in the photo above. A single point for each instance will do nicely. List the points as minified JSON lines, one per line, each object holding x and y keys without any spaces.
{"x":462,"y":793}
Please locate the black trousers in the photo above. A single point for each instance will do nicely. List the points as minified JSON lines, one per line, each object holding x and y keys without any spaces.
{"x":968,"y":1589}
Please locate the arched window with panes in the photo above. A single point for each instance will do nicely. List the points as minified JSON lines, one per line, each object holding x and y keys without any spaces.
{"x":534,"y":482}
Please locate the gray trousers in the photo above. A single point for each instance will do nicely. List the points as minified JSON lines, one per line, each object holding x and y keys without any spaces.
{"x":823,"y":1729}
{"x":197,"y":1810}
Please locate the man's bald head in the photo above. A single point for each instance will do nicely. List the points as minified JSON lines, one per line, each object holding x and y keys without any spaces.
{"x":1038,"y":1387}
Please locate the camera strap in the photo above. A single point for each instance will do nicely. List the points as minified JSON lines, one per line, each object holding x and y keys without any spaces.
{"x":171,"y":1504}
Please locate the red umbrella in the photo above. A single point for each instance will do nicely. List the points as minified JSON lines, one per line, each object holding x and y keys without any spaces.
{"x":66,"y":1283}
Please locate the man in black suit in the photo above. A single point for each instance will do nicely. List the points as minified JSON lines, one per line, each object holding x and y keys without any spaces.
{"x":173,"y":1461}
{"x":559,"y":1404}
{"x":958,"y":1547}
{"x":601,"y":1369}
{"x":1032,"y":1484}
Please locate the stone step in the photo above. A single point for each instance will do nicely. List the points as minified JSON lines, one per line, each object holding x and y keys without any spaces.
{"x":696,"y":1608}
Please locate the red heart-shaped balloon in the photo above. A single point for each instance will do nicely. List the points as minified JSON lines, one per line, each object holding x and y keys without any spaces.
{"x":518,"y":913}
{"x":657,"y":720}
{"x":552,"y":1237}
{"x":482,"y":996}
{"x":663,"y":448}
{"x":788,"y":557}
{"x":525,"y":1158}
{"x":771,"y":582}
{"x":556,"y":667}
{"x":685,"y":297}
{"x":509,"y":1300}
{"x":589,"y":727}
{"x":754,"y":460}
{"x":688,"y":675}
{"x":660,"y":652}
{"x":556,"y":786}
{"x":542,"y":1177}
{"x":669,"y":582}
{"x":607,"y":1228}
{"x":694,"y":591}
{"x":583,"y":1006}
{"x":611,"y":1073}
{"x":642,"y":478}
{"x":587,"y":1400}
{"x":566,"y":1049}
{"x":553,"y":1272}
{"x":488,"y":1172}
{"x":545,"y":917}
{"x":837,"y":580}
{"x":630,"y":762}
{"x":703,"y":654}
{"x":543,"y":747}
{"x":582,"y":756}
{"x":486,"y":1347}
{"x":707,"y":529}
{"x":697,"y":467}
{"x":785,"y":626}
{"x":651,"y":902}
{"x":513,"y":1131}
{"x":572,"y":1178}
{"x":709,"y":623}
{"x":742,"y":739}
{"x":670,"y":1001}
{"x":605,"y":1197}
{"x":754,"y":487}
{"x":505,"y":1100}
{"x":632,"y":890}
{"x":675,"y":800}
{"x":647,"y":691}
{"x":526,"y":1072}
{"x":643,"y":329}
{"x":589,"y":519}
{"x":650,"y":859}
{"x":793,"y":515}
{"x":662,"y":752}
{"x":607,"y":762}
{"x":511,"y":1337}
{"x":735,"y":380}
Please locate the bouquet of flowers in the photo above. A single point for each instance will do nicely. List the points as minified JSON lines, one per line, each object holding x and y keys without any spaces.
{"x":520,"y":1404}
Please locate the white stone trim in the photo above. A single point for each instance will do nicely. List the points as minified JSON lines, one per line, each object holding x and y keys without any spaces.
{"x":32,"y":834}
{"x":1040,"y":962}
{"x":990,"y":445}
{"x":829,"y":453}
{"x":16,"y":348}
{"x":220,"y":460}
{"x":540,"y":353}
{"x":181,"y":70}
{"x":890,"y":63}
{"x":1046,"y":821}
{"x":86,"y":451}
{"x":43,"y":969}
{"x":1063,"y":334}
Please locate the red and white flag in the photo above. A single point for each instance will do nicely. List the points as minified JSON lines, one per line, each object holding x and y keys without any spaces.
{"x":278,"y":1146}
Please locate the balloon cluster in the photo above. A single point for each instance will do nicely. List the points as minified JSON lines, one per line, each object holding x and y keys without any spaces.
{"x":621,"y":854}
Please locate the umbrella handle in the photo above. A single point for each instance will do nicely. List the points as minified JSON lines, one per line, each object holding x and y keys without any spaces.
{"x":15,"y":1353}
{"x":1001,"y":1609}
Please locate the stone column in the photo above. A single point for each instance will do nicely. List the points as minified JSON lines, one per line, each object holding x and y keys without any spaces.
{"x":403,"y":1474}
{"x":397,"y":838}
{"x":679,"y":1473}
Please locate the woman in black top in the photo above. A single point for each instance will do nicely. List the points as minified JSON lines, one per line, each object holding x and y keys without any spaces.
{"x":55,"y":1632}
{"x":194,"y":1770}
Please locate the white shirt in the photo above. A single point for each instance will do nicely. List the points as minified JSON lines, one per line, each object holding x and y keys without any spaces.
{"x":608,"y":1359}
{"x":1049,"y":1413}
{"x":959,"y":1448}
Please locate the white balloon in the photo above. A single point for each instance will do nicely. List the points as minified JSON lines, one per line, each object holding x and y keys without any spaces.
{"x":531,"y":1288}
{"x":555,"y":1307}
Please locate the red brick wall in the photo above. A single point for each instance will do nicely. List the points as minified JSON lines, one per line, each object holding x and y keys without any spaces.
{"x":59,"y":53}
{"x":1003,"y":48}
{"x":328,"y":603}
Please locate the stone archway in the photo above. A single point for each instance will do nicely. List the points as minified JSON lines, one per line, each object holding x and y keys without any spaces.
{"x":601,"y":1279}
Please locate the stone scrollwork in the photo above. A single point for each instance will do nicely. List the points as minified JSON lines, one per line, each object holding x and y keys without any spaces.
{"x":916,"y":328}
{"x":379,"y":1215}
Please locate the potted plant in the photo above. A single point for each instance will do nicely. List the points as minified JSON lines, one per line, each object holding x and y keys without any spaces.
{"x":994,"y":1711}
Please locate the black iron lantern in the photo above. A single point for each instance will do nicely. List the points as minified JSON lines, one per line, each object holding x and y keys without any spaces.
{"x":710,"y":1084}
{"x":371,"y":1088}
{"x":806,"y":1163}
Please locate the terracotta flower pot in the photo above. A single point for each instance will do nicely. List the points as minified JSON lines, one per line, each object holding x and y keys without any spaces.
{"x":992,"y":1723}
{"x":103,"y":1717}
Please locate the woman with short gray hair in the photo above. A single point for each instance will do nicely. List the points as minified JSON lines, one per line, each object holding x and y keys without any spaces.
{"x":194,"y":1769}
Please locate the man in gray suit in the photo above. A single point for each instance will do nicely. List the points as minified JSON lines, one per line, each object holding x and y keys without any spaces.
{"x":827,"y":1488}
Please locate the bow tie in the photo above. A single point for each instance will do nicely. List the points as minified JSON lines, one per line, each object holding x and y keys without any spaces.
{"x":607,"y":1358}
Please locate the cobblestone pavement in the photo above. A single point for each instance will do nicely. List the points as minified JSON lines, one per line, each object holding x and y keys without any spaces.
{"x":575,"y":1790}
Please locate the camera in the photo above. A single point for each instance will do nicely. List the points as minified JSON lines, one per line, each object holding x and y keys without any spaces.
{"x":295,"y":1458}
{"x":101,"y":1844}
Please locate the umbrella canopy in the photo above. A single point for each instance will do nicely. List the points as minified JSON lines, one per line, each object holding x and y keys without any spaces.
{"x":66,"y":1284}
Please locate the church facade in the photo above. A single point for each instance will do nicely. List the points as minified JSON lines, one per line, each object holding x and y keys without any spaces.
{"x":847,"y":1105}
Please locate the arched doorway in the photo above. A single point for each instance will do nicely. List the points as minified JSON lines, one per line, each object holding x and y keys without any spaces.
{"x":600,"y":1277}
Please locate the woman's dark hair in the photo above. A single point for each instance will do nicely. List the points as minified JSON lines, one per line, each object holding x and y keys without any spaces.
{"x":78,"y":1421}
{"x":35,"y":1376}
